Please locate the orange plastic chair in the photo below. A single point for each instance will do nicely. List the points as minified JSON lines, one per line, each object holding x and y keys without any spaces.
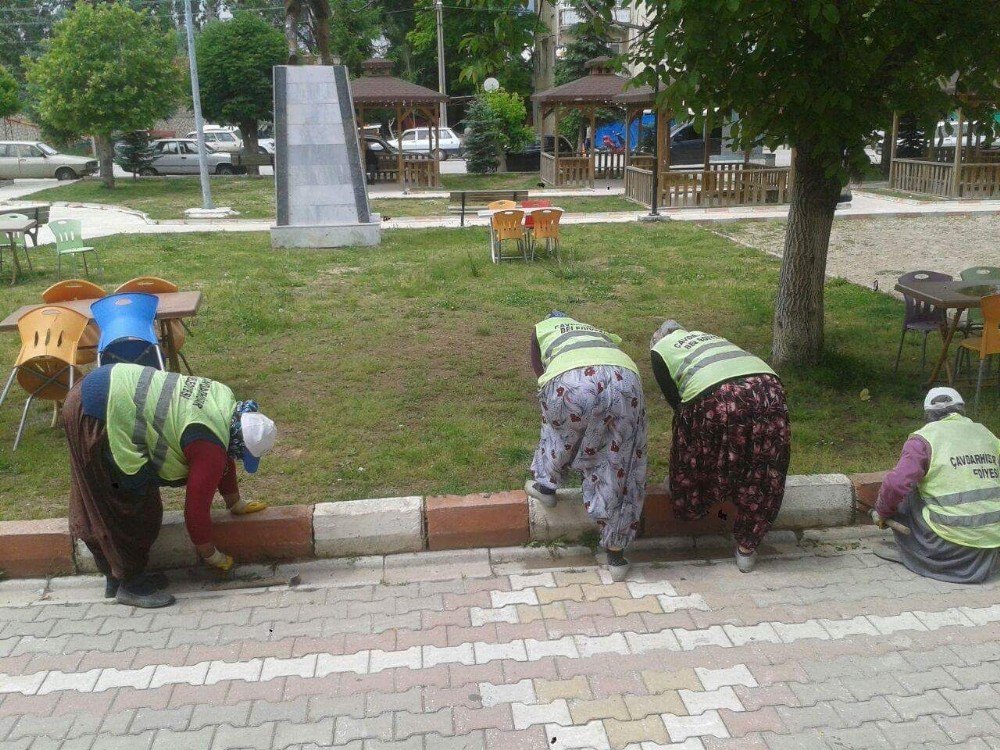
{"x":46,"y":365}
{"x":505,"y":226}
{"x":547,"y":228}
{"x":986,"y":345}
{"x":529,"y":220}
{"x":74,"y":289}
{"x":156,"y":285}
{"x":501,"y":205}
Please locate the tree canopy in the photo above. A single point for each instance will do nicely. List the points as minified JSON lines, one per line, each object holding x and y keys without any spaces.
{"x":106,"y":69}
{"x":10,"y":98}
{"x":235,"y":63}
{"x":821,"y":76}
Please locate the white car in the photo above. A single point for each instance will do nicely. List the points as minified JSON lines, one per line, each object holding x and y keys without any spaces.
{"x":419,"y":139}
{"x":33,"y":159}
{"x":221,"y":139}
{"x":180,"y":156}
{"x":265,"y":146}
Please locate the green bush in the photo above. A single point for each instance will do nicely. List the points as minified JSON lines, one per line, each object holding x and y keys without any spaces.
{"x":508,"y":108}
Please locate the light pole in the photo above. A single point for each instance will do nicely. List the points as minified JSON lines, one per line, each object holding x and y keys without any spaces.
{"x":441,"y":82}
{"x":199,"y":123}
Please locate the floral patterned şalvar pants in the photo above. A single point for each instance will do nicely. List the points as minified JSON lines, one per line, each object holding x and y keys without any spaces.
{"x":594,"y":422}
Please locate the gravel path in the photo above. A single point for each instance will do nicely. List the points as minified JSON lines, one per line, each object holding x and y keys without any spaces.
{"x":863,"y":250}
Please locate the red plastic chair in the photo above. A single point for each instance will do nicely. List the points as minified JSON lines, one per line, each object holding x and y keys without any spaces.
{"x":529,"y":223}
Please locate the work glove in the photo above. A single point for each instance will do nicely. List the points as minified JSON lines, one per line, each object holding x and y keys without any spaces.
{"x":220,"y":561}
{"x":243,"y":508}
{"x":877,"y":519}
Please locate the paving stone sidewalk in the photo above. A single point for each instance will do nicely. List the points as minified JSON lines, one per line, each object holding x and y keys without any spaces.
{"x":824,"y":646}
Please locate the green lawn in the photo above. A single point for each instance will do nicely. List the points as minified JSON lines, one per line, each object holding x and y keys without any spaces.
{"x":405,"y":370}
{"x":166,"y":198}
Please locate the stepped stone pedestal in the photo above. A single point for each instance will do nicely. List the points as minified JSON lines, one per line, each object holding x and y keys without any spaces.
{"x":322,"y":199}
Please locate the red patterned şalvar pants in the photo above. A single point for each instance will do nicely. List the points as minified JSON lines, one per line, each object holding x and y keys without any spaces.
{"x":733,"y":444}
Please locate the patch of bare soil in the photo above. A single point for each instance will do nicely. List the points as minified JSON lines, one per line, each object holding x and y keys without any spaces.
{"x":866,"y":250}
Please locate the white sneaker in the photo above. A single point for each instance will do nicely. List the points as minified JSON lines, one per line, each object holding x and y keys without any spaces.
{"x":534,"y":490}
{"x":745,"y":563}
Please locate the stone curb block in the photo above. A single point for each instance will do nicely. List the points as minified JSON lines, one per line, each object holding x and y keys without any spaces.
{"x":36,"y":548}
{"x":172,"y":548}
{"x":658,"y":518}
{"x":482,"y":520}
{"x":814,"y":501}
{"x":567,"y":522}
{"x":379,"y":526}
{"x":278,"y":533}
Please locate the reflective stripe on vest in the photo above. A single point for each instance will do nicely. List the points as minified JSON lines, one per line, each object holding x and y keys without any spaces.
{"x":961,"y":490}
{"x":148,"y":411}
{"x":566,"y":344}
{"x":698,"y":360}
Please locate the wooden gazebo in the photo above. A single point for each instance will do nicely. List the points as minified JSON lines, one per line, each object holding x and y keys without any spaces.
{"x":726,"y":182}
{"x":597,"y":90}
{"x":378,"y":89}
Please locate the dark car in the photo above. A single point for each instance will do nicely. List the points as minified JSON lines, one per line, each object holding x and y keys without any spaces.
{"x":530,"y":160}
{"x":687,"y":145}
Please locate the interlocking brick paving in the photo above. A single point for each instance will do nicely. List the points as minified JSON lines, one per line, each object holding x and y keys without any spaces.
{"x":822,"y":646}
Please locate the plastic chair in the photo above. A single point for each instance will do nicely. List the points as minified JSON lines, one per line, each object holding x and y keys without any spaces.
{"x":529,"y":220}
{"x":69,"y":241}
{"x":75,"y":289}
{"x":19,"y":242}
{"x":45,"y":367}
{"x":547,"y":228}
{"x":982,"y":275}
{"x":921,"y":316}
{"x":506,"y":225}
{"x":128,"y":333}
{"x":986,"y":345}
{"x":155,"y":285}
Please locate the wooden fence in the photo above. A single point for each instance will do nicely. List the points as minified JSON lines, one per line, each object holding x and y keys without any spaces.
{"x":419,"y":170}
{"x":574,"y":171}
{"x":608,"y":165}
{"x":720,"y":185}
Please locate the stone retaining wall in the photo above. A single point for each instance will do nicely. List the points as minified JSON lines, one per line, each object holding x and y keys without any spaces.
{"x":413,"y":524}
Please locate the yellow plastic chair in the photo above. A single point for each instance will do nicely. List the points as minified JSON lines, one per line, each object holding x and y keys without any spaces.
{"x":546,"y":227}
{"x":75,"y":289}
{"x":986,"y":345}
{"x":156,"y":285}
{"x":501,"y":205}
{"x":45,"y":367}
{"x":506,"y":226}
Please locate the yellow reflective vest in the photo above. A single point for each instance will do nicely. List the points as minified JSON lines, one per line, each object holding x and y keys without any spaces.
{"x":148,"y":411}
{"x":698,"y":360}
{"x":567,"y":344}
{"x":961,"y":491}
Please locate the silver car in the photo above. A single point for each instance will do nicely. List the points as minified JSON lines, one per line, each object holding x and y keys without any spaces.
{"x":221,"y":139}
{"x":180,"y":156}
{"x":34,"y":159}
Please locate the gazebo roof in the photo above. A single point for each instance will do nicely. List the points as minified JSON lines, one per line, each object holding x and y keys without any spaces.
{"x":638,"y":95}
{"x":600,"y":86}
{"x":379,"y":88}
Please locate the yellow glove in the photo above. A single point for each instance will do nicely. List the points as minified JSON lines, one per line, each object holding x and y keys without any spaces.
{"x":220,"y":561}
{"x":242,"y":507}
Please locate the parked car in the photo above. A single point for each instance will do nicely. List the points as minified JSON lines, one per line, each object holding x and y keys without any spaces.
{"x":180,"y":156}
{"x":530,"y":160}
{"x":220,"y":139}
{"x":418,"y":139}
{"x":687,"y":145}
{"x":27,"y":159}
{"x":265,"y":146}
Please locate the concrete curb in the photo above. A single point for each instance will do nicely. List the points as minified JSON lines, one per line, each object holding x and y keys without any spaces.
{"x":408,"y":527}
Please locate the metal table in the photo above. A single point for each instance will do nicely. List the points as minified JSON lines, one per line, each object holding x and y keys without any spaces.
{"x":172,"y":306}
{"x":12,"y":227}
{"x":948,"y":295}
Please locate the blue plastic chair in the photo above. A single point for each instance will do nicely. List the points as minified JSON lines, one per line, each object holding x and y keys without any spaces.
{"x":128,"y":332}
{"x":920,"y":316}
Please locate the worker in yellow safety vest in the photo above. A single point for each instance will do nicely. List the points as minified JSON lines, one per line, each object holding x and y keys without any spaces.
{"x":132,"y":430}
{"x":946,"y":491}
{"x":731,"y":436}
{"x":593,"y":422}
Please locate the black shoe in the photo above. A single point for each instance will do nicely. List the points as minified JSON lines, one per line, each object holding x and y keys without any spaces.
{"x":618,"y":566}
{"x":140,"y":593}
{"x":157,"y":581}
{"x":545,"y":495}
{"x":110,"y":587}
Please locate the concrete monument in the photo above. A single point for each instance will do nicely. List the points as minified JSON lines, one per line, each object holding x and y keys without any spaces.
{"x":322,"y":198}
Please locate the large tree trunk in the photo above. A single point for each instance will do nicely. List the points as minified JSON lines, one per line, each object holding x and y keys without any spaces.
{"x":249,"y":131}
{"x":798,"y":311}
{"x":106,"y":159}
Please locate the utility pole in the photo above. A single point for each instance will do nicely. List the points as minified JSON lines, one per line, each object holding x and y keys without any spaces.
{"x":441,"y":82}
{"x":199,"y":123}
